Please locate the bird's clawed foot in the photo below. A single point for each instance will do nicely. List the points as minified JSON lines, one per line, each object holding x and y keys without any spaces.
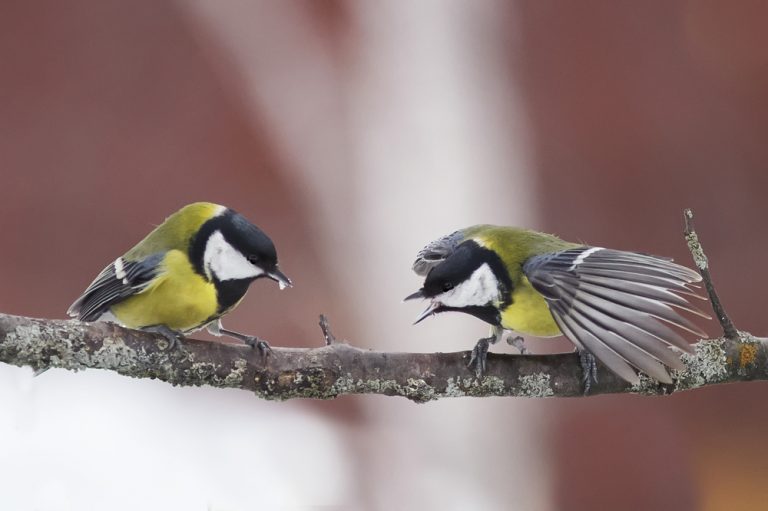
{"x":588,"y":369}
{"x":255,"y":342}
{"x":174,"y":338}
{"x":479,"y":355}
{"x":250,"y":340}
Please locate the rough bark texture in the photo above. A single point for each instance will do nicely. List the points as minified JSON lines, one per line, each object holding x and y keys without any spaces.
{"x":338,"y":369}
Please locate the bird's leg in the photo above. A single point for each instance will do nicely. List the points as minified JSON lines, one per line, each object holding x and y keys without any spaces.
{"x":480,"y":351}
{"x":250,"y":340}
{"x":479,"y":355}
{"x":519,"y":343}
{"x":588,"y":369}
{"x":174,"y":337}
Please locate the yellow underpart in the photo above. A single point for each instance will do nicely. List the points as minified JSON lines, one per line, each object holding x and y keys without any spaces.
{"x":529,"y":313}
{"x":178,"y":298}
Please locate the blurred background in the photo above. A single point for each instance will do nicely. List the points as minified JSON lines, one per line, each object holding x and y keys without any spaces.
{"x":353,"y":132}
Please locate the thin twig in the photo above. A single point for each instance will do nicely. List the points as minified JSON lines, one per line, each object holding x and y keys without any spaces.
{"x":326,"y":328}
{"x":702,"y":263}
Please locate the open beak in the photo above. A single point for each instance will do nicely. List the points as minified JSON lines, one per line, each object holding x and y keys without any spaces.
{"x":281,"y":278}
{"x":428,"y":311}
{"x":432,"y":309}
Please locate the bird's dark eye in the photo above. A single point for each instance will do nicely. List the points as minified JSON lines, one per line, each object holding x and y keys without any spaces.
{"x":447,"y":286}
{"x":253,"y":259}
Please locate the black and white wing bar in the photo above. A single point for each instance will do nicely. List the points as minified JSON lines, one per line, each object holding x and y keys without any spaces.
{"x":116,"y":282}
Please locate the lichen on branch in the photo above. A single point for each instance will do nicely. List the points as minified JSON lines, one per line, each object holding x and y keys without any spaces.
{"x":339,"y":369}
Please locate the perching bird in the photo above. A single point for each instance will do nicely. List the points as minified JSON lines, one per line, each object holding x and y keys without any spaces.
{"x":187,"y":273}
{"x":612,"y":304}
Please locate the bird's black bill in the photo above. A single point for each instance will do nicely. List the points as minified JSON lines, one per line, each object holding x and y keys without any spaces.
{"x":281,"y":278}
{"x":417,"y":294}
{"x":433,"y":308}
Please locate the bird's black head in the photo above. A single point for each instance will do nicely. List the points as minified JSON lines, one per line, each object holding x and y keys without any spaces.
{"x":229,"y":248}
{"x":472,"y":279}
{"x":251,"y":241}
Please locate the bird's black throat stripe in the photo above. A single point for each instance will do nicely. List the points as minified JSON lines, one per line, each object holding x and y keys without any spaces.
{"x":230,"y":292}
{"x":488,"y":313}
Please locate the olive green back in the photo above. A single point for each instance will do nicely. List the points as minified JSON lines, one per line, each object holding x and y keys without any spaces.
{"x":176,"y":232}
{"x":515,"y":245}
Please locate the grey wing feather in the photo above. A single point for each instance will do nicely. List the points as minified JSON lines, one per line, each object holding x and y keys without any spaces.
{"x":436,"y":252}
{"x":108,"y":289}
{"x":617,"y":306}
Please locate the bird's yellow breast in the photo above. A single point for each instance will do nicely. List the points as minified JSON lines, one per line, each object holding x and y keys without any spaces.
{"x":529,"y":313}
{"x":178,"y":298}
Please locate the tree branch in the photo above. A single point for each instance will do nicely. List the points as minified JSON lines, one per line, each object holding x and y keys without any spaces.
{"x":337,"y":368}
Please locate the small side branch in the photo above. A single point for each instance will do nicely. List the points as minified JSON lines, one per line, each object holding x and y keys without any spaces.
{"x":326,"y":329}
{"x":702,"y":264}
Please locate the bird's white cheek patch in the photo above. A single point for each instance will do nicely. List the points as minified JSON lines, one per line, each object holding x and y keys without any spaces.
{"x":480,"y":289}
{"x":225,"y":261}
